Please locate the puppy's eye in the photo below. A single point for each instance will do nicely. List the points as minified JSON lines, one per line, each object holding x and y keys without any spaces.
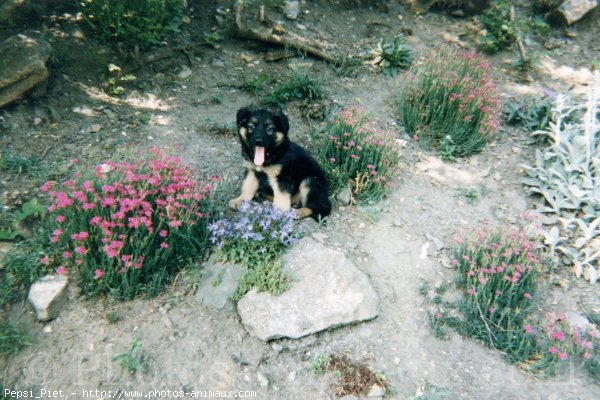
{"x":270,"y":130}
{"x":250,"y":126}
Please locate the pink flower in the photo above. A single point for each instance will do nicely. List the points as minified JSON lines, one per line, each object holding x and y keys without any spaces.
{"x":60,"y":218}
{"x":353,"y":156}
{"x":163,"y":233}
{"x":586,"y":355}
{"x":67,"y":254}
{"x":552,"y":350}
{"x":471,"y":292}
{"x":78,"y":261}
{"x":174,"y":223}
{"x":332,"y":159}
{"x":558,"y":335}
{"x":164,"y":245}
{"x":57,"y":232}
{"x":563,"y":356}
{"x":454,"y":261}
{"x":438,"y":315}
{"x":98,"y":273}
{"x":44,"y":260}
{"x":63,"y":201}
{"x":528,"y":328}
{"x":110,"y":252}
{"x":527,"y":296}
{"x":61,"y":270}
{"x":47,"y":186}
{"x":81,"y":250}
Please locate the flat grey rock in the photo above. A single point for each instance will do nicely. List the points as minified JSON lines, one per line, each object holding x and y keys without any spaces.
{"x":218,"y":284}
{"x":48,"y":295}
{"x":22,"y":67}
{"x":327,"y":291}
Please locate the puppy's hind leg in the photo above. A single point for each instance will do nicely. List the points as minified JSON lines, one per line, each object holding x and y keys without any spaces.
{"x":249,"y":188}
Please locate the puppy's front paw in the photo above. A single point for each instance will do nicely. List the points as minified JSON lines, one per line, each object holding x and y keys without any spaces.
{"x":236,"y":203}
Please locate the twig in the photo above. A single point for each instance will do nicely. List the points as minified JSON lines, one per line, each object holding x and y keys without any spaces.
{"x":511,"y":18}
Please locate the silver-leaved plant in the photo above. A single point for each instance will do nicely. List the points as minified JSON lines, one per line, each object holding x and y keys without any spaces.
{"x":566,"y":173}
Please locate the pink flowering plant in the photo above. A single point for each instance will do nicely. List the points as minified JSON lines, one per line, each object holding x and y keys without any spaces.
{"x":124,"y":227}
{"x":562,"y":344}
{"x":452,"y":103}
{"x":497,"y":275}
{"x":356,"y":153}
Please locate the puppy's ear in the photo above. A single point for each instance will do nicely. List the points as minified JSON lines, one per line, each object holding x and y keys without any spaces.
{"x":243,"y":115}
{"x":281,"y":121}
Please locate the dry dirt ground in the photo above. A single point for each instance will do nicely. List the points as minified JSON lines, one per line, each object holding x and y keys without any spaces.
{"x":186,"y":346}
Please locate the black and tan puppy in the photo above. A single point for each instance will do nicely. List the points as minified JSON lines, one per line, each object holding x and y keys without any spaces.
{"x":278,"y":166}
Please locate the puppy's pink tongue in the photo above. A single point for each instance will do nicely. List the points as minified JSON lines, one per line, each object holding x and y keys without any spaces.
{"x":259,"y":155}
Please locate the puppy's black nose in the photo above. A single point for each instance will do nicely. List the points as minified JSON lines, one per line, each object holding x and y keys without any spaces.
{"x":258,"y":142}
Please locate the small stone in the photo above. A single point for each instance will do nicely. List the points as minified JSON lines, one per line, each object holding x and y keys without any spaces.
{"x":185,"y":72}
{"x":95,"y":128}
{"x":48,"y":295}
{"x":277,"y":347}
{"x":292,"y":9}
{"x":397,"y":360}
{"x":292,"y":376}
{"x":47,"y":329}
{"x":186,"y":20}
{"x":458,"y":13}
{"x":167,"y":322}
{"x":376,"y":391}
{"x":319,"y":236}
{"x":497,"y":176}
{"x":85,"y":111}
{"x":217,"y":62}
{"x":262,"y":380}
{"x":37,"y":121}
{"x":345,"y":196}
{"x":516,"y":150}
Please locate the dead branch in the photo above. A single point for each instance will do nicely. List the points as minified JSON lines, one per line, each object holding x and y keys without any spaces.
{"x":286,"y":39}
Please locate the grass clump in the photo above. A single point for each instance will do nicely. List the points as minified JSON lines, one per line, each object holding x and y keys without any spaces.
{"x":299,"y":86}
{"x":355,"y":153}
{"x":456,"y":111}
{"x":11,"y":339}
{"x":136,"y":23}
{"x":124,"y":228}
{"x":256,"y":236}
{"x":16,"y":163}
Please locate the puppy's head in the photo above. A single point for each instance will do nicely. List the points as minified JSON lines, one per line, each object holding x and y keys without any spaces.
{"x":262,"y":132}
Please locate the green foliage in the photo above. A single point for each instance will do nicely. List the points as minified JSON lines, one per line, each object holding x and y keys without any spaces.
{"x":394,"y":55}
{"x":501,"y":31}
{"x":124,"y":228}
{"x":15,"y":163}
{"x":132,"y":359}
{"x":212,"y":39}
{"x":256,"y":236}
{"x":114,"y":78}
{"x":9,"y":224}
{"x":265,"y":277}
{"x":255,"y":85}
{"x":530,"y":113}
{"x":320,"y":364}
{"x":565,"y":175}
{"x":21,"y":268}
{"x":299,"y":86}
{"x":456,"y":111}
{"x":356,"y":153}
{"x":11,"y":339}
{"x":136,"y":23}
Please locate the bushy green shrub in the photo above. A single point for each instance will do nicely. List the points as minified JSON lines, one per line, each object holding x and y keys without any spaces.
{"x":501,"y":31}
{"x":393,"y":56}
{"x":12,"y":340}
{"x":457,"y":110}
{"x":125,"y":227}
{"x":356,"y":153}
{"x":141,"y":23}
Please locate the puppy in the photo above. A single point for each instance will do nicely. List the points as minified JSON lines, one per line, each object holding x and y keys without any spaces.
{"x":286,"y":172}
